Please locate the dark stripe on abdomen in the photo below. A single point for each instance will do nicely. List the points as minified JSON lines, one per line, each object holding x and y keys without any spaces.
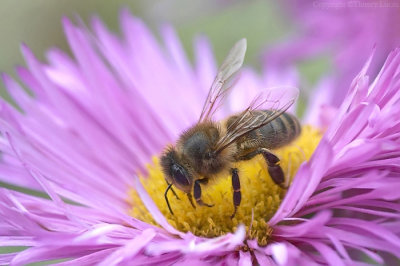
{"x":279,"y":131}
{"x":293,"y":124}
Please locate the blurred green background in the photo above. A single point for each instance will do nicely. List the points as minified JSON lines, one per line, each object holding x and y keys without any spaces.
{"x":38,"y":23}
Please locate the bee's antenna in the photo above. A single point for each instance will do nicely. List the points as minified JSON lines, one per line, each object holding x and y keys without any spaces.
{"x":173,"y":191}
{"x":166,"y":198}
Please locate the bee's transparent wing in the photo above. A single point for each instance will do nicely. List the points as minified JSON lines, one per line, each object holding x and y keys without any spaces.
{"x":277,"y":100}
{"x":220,"y":85}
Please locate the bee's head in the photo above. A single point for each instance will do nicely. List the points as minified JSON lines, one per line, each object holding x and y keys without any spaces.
{"x":175,"y":172}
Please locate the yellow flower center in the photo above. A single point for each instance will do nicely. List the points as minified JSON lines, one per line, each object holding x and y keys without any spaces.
{"x":261,"y":197}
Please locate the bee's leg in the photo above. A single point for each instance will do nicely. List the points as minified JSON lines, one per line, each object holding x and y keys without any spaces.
{"x":173,"y":191}
{"x":197,"y":194}
{"x":274,"y":169}
{"x":237,"y":195}
{"x":191,"y":200}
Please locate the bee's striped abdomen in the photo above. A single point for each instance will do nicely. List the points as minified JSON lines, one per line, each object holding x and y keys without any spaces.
{"x":279,"y":131}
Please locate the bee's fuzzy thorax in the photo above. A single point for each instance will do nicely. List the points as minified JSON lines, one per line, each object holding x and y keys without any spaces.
{"x":196,"y":147}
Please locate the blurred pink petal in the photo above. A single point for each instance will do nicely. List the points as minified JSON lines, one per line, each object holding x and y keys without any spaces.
{"x":344,"y":30}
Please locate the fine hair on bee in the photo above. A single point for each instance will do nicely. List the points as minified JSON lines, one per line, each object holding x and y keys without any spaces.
{"x":211,"y":147}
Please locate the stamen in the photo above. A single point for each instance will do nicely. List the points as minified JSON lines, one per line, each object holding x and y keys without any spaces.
{"x":261,"y":197}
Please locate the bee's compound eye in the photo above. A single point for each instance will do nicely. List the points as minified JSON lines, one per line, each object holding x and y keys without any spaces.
{"x":180,"y":175}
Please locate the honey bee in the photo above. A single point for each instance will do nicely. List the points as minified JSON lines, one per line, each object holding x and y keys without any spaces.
{"x":210,"y":147}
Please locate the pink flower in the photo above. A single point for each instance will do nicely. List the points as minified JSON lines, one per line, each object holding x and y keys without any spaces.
{"x":97,"y":119}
